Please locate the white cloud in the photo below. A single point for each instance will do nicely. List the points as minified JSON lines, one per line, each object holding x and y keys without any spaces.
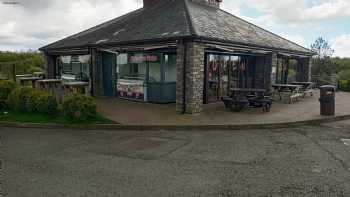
{"x":341,"y":45}
{"x":300,"y":11}
{"x":35,"y":23}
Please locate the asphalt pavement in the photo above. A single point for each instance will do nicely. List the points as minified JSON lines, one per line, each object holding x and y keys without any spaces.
{"x":305,"y":161}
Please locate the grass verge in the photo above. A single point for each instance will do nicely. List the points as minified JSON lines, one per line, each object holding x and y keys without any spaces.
{"x":9,"y":116}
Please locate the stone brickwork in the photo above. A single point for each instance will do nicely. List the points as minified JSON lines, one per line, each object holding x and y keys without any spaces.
{"x":194,"y":70}
{"x":304,"y":69}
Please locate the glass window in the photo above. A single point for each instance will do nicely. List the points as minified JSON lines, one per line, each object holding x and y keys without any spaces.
{"x":76,"y":66}
{"x":154,"y":72}
{"x":131,"y":67}
{"x":170,"y":68}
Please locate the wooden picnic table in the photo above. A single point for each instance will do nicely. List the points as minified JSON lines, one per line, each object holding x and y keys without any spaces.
{"x":76,"y":86}
{"x":48,"y":84}
{"x":241,"y":99}
{"x":245,"y":91}
{"x":292,"y":91}
{"x":307,"y":87}
{"x":23,"y":80}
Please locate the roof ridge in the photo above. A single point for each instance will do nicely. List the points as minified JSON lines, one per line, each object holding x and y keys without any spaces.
{"x":250,"y":23}
{"x":189,"y":19}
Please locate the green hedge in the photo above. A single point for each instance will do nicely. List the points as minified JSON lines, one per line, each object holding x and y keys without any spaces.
{"x":344,"y":85}
{"x":25,"y":99}
{"x":79,"y":107}
{"x":6,"y":87}
{"x":76,"y":107}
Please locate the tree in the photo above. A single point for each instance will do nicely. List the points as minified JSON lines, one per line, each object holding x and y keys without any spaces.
{"x":322,"y":48}
{"x":323,"y":66}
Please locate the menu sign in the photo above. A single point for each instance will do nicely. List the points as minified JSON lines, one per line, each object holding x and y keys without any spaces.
{"x":143,"y":58}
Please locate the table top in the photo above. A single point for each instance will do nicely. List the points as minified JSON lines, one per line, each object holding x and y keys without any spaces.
{"x":25,"y":75}
{"x":286,"y":86}
{"x":50,"y":81}
{"x":247,"y":90}
{"x":302,"y":83}
{"x":76,"y":83}
{"x":29,"y":78}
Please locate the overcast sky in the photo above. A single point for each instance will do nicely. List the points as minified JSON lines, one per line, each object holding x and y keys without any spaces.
{"x":30,"y":24}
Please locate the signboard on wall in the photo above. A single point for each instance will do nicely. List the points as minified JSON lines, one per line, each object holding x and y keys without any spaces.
{"x":143,"y":58}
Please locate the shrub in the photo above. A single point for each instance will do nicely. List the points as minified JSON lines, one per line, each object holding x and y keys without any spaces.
{"x":79,"y":107}
{"x":19,"y":98}
{"x":6,"y":87}
{"x":46,"y":104}
{"x":26,"y":99}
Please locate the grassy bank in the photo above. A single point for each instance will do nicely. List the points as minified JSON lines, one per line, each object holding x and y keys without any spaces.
{"x":40,"y":118}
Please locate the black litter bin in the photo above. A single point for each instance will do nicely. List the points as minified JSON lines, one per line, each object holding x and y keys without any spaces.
{"x":327,"y":100}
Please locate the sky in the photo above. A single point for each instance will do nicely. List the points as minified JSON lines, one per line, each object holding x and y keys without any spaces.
{"x":31,"y":24}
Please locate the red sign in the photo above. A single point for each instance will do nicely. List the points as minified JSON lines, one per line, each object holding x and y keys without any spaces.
{"x":143,"y":58}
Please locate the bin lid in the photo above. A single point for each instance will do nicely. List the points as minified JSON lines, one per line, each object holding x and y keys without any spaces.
{"x":328,"y":87}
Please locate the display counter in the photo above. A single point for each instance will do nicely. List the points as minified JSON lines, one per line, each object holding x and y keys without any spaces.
{"x":131,"y":89}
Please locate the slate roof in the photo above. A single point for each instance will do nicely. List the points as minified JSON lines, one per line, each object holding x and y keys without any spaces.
{"x":176,"y":19}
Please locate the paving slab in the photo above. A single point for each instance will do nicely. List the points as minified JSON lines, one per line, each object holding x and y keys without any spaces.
{"x":135,"y":113}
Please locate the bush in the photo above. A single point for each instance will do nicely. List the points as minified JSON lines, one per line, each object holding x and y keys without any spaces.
{"x":19,"y":99}
{"x":46,"y":104}
{"x":26,"y":99}
{"x":6,"y":87}
{"x":79,"y":107}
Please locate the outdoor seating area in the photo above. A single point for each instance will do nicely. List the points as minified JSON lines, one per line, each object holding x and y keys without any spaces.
{"x":242,"y":98}
{"x":137,"y":113}
{"x":59,"y":87}
{"x":294,"y":91}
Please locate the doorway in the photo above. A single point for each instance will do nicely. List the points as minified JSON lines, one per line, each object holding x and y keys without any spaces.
{"x":224,"y":72}
{"x":217,"y":77}
{"x":108,"y":65}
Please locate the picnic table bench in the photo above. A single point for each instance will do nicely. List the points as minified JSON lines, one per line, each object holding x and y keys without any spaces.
{"x":242,"y":98}
{"x":293,"y":92}
{"x":307,"y":87}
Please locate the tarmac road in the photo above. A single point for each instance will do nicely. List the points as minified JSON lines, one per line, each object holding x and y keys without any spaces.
{"x":306,"y":161}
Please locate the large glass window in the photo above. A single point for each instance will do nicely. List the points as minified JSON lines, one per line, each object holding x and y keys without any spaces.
{"x":131,"y":67}
{"x":154,"y":72}
{"x":76,"y":67}
{"x":170,"y":68}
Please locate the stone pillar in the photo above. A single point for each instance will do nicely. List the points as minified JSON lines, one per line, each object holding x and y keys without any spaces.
{"x":194,"y":83}
{"x":96,"y":72}
{"x":267,"y":62}
{"x":304,"y":69}
{"x":49,"y":65}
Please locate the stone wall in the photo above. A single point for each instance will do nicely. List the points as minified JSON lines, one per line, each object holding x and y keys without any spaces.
{"x":194,"y":70}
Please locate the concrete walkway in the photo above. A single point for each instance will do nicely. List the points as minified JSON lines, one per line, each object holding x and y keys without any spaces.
{"x":134,"y":113}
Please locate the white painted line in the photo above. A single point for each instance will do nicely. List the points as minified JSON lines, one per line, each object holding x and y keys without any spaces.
{"x":346,"y":141}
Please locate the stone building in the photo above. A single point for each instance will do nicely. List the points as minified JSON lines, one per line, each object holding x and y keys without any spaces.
{"x":185,"y":51}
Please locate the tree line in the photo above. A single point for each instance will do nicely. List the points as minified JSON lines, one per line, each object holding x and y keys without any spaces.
{"x":325,"y":65}
{"x":20,"y":63}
